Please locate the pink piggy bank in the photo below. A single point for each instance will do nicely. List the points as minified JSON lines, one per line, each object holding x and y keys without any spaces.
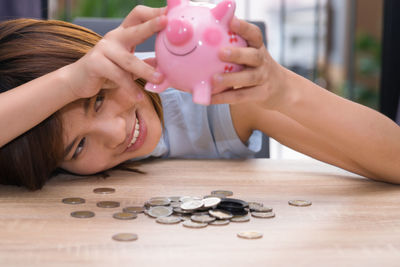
{"x":187,"y":49}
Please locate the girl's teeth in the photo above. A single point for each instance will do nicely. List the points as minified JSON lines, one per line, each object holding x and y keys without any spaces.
{"x":136,"y":133}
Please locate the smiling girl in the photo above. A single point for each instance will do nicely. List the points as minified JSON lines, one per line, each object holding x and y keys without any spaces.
{"x":73,"y":100}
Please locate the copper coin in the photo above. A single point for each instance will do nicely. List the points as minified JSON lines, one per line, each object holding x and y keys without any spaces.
{"x":125,"y":237}
{"x":82,"y":214}
{"x":108,"y":204}
{"x":73,"y":200}
{"x":104,"y":190}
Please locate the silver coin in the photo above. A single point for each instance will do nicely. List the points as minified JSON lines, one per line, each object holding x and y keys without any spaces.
{"x":244,"y":218}
{"x":175,"y":204}
{"x":300,"y":203}
{"x":192,"y":205}
{"x":107,"y":204}
{"x":225,"y":193}
{"x":134,"y":209}
{"x":219,"y":222}
{"x":211,"y":202}
{"x":169,"y":220}
{"x":191,"y":224}
{"x":202,"y":218}
{"x":124,"y":215}
{"x":220,"y":214}
{"x":250,"y":234}
{"x":175,"y":199}
{"x":159,"y":211}
{"x":265,"y":215}
{"x":261,"y":209}
{"x":73,"y":200}
{"x":125,"y":237}
{"x":104,"y":190}
{"x":189,"y":198}
{"x":255,"y":205}
{"x":82,"y":214}
{"x":159,"y":201}
{"x":178,"y":210}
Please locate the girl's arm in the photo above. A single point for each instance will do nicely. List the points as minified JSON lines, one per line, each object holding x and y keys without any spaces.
{"x":307,"y":117}
{"x":112,"y":59}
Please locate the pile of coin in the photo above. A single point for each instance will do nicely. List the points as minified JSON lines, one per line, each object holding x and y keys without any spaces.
{"x":198,"y":212}
{"x":216,"y":209}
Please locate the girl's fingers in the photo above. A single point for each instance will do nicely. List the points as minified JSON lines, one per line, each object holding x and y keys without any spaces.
{"x":142,"y":14}
{"x":250,"y":32}
{"x":130,"y":63}
{"x":115,"y":75}
{"x":242,"y":55}
{"x":247,"y":78}
{"x":152,"y":61}
{"x":135,"y":35}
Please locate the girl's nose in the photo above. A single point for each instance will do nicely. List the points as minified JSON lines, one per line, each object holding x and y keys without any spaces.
{"x":111,"y":131}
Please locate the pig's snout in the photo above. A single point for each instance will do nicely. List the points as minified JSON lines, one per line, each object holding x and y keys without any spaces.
{"x":179,"y":32}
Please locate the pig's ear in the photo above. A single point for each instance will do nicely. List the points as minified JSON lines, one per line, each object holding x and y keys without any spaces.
{"x":175,"y":3}
{"x":224,"y":11}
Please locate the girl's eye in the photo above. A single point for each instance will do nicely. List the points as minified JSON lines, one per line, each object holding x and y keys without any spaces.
{"x":79,"y":148}
{"x":99,"y":102}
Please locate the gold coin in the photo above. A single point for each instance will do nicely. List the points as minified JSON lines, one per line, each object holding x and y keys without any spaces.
{"x":220,"y":214}
{"x":125,"y":237}
{"x":219,"y":222}
{"x":250,"y":235}
{"x":244,"y":218}
{"x":191,"y":224}
{"x":225,"y":193}
{"x":159,"y":211}
{"x":202,"y":218}
{"x":104,"y":190}
{"x":73,"y":200}
{"x":265,"y":215}
{"x":124,"y":215}
{"x":108,"y":204}
{"x":133,"y":209}
{"x":82,"y":214}
{"x":300,"y":203}
{"x":159,"y":201}
{"x":169,"y":220}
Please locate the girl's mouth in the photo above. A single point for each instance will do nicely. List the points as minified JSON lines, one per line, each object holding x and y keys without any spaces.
{"x":138,"y":134}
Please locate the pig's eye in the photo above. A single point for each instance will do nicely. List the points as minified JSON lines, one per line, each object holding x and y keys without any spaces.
{"x":182,"y":17}
{"x":192,"y":18}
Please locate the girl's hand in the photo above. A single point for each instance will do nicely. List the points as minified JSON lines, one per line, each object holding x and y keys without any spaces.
{"x":259,"y":81}
{"x":112,"y":61}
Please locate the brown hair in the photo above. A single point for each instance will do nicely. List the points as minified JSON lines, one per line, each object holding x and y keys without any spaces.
{"x":29,"y":49}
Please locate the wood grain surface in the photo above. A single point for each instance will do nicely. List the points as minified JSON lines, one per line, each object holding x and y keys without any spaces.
{"x":352,"y":221}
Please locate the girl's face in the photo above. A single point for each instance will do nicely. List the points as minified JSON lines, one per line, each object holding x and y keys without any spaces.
{"x":108,"y":129}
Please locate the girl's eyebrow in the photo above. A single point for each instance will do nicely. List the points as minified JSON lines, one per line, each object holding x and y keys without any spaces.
{"x":85,"y":104}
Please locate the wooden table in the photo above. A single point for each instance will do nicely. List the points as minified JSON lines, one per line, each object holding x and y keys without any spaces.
{"x":352,"y":221}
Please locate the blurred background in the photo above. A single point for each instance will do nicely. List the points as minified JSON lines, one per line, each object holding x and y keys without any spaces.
{"x":335,"y":43}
